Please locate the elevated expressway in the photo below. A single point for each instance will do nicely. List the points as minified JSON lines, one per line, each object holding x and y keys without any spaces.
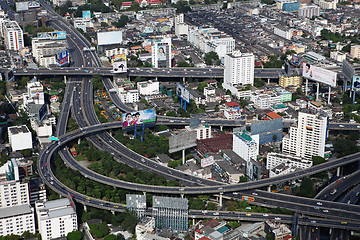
{"x":45,"y":172}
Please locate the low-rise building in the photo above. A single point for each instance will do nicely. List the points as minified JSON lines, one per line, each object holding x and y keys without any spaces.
{"x":202,"y":131}
{"x":286,"y":81}
{"x":149,"y":87}
{"x":275,"y":159}
{"x":20,"y":138}
{"x":146,"y":225}
{"x":129,"y":95}
{"x":355,"y":51}
{"x":16,"y":220}
{"x":282,"y":169}
{"x":232,"y":110}
{"x":56,"y":218}
{"x":264,"y":101}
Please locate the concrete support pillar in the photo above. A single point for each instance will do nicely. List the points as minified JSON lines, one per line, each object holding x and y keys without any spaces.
{"x":220,"y":199}
{"x":65,"y":79}
{"x":338,"y":172}
{"x":183,"y":80}
{"x":85,"y":208}
{"x":182,"y":195}
{"x":113,"y":212}
{"x":269,"y":188}
{"x":183,"y":156}
{"x":193,"y":221}
{"x":306,"y":87}
{"x":79,"y":140}
{"x":268,"y":80}
{"x":317,"y":91}
{"x":221,"y":128}
{"x":329,"y":95}
{"x":144,"y":193}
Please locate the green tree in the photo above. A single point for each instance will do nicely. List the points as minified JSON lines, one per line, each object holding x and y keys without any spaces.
{"x":97,"y":83}
{"x":104,"y":24}
{"x":243,"y":179}
{"x":211,"y":57}
{"x":258,"y":82}
{"x":110,"y":237}
{"x":99,"y":230}
{"x":211,"y":206}
{"x":307,"y":188}
{"x":317,"y":160}
{"x":275,"y":137}
{"x":270,"y":236}
{"x":123,"y":20}
{"x":182,"y":7}
{"x":74,"y":235}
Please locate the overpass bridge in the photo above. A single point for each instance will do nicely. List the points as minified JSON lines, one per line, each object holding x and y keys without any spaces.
{"x":269,"y":73}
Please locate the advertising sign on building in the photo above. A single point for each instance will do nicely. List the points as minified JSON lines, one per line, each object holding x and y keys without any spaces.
{"x":86,"y":15}
{"x":319,"y":74}
{"x":146,"y":117}
{"x":117,"y":57}
{"x":120,"y":64}
{"x":43,"y":112}
{"x":253,"y":170}
{"x":34,"y":4}
{"x":356,"y":83}
{"x":208,"y":161}
{"x":63,"y":57}
{"x":183,"y":93}
{"x":22,"y":6}
{"x":52,"y":35}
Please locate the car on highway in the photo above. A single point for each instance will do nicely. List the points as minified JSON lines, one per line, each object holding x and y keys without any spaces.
{"x":313,"y":221}
{"x":341,"y":126}
{"x":265,"y":215}
{"x":319,"y":203}
{"x":88,"y":198}
{"x":333,"y":191}
{"x":325,"y":211}
{"x":277,"y":218}
{"x":248,"y":214}
{"x":248,"y":208}
{"x":215,"y":213}
{"x":255,"y":194}
{"x":204,"y":212}
{"x":343,"y":222}
{"x":317,"y":208}
{"x":235,"y":193}
{"x":116,"y":206}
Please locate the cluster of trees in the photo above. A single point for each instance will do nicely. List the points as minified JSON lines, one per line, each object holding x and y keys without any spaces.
{"x":337,"y":37}
{"x":92,"y":5}
{"x":201,"y":203}
{"x":211,"y":58}
{"x":97,"y":82}
{"x":33,"y":31}
{"x":121,"y":22}
{"x":150,"y":147}
{"x":127,"y":220}
{"x":306,"y":188}
{"x":25,"y":235}
{"x":122,"y":171}
{"x":99,"y":230}
{"x":273,"y":62}
{"x":181,"y":7}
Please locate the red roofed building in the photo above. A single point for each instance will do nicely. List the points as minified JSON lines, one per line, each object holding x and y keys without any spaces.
{"x":220,"y":141}
{"x":273,"y":115}
{"x":125,"y":5}
{"x":232,"y":104}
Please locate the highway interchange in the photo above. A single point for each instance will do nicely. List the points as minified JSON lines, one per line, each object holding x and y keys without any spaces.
{"x":78,"y":99}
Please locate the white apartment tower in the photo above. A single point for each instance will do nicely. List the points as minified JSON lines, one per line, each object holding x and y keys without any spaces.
{"x":246,"y":145}
{"x":307,"y":138}
{"x":13,"y":193}
{"x":13,"y":35}
{"x":239,"y":68}
{"x":56,"y":218}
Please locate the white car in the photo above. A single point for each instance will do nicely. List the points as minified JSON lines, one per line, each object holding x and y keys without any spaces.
{"x":265,"y":215}
{"x":277,"y":218}
{"x":341,"y":126}
{"x":319,"y":203}
{"x":325,"y":211}
{"x":215,"y":213}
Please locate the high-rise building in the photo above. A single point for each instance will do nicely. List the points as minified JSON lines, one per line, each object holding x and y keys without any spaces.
{"x":13,"y":35}
{"x":246,"y":145}
{"x":56,"y":218}
{"x":136,"y":204}
{"x":239,"y":68}
{"x":13,"y":193}
{"x":309,"y":11}
{"x":355,"y":51}
{"x":161,"y":53}
{"x":307,"y":138}
{"x":170,"y":213}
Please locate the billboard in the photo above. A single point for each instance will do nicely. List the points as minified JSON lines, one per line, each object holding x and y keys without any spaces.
{"x":146,"y":117}
{"x":253,"y":170}
{"x":356,"y":83}
{"x":86,"y":15}
{"x":183,"y":93}
{"x":52,"y":35}
{"x":295,"y":60}
{"x":115,"y":58}
{"x":319,"y":74}
{"x":208,"y":161}
{"x":161,"y":52}
{"x":182,"y":141}
{"x":22,"y":6}
{"x":109,"y":38}
{"x":63,"y":57}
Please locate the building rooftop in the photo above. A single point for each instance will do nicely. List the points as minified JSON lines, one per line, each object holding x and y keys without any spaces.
{"x":273,"y":115}
{"x":234,"y":157}
{"x":18,"y":129}
{"x":15,"y":211}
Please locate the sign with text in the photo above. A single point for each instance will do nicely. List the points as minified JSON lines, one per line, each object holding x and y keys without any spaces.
{"x":319,"y":74}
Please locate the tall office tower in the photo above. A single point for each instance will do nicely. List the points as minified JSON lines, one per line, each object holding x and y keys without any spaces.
{"x":239,"y":68}
{"x":307,"y":138}
{"x":170,"y":213}
{"x":13,"y":35}
{"x":56,"y":218}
